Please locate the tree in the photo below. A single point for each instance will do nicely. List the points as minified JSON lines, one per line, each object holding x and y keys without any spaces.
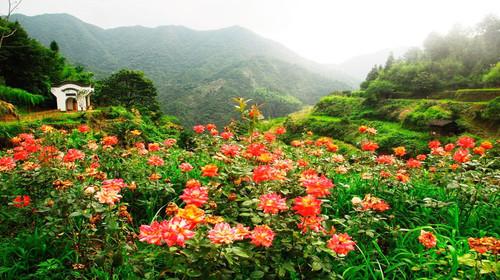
{"x":54,"y":46}
{"x":378,"y":90}
{"x":493,"y":76}
{"x":372,"y":75}
{"x":131,"y":89}
{"x":4,"y":31}
{"x":389,"y":62}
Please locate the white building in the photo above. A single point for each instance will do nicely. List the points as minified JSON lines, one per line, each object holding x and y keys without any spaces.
{"x":72,"y":97}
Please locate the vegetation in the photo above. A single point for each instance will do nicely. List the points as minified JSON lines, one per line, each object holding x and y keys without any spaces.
{"x":130,"y":89}
{"x":459,"y":59}
{"x":89,"y":203}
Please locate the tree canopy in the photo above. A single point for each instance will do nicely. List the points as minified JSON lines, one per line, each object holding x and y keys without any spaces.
{"x":131,"y":89}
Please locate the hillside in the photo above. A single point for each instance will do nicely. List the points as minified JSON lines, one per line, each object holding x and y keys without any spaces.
{"x":184,"y":62}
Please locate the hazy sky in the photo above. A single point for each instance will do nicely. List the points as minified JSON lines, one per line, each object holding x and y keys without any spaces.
{"x":327,"y":31}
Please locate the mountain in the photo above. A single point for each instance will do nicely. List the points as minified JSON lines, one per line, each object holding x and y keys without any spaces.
{"x":359,"y":66}
{"x":194,"y":69}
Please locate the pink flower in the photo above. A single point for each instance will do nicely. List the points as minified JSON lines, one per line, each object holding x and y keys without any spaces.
{"x":341,"y":243}
{"x":185,"y":167}
{"x":272,"y":203}
{"x":222,"y":233}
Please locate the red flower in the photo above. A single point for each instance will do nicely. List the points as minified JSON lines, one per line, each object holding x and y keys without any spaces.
{"x":21,"y":201}
{"x":421,"y":157}
{"x":199,"y":129}
{"x":466,"y":142}
{"x":153,"y":147}
{"x":209,"y":170}
{"x":363,"y":128}
{"x":434,"y":144}
{"x":341,"y":243}
{"x":307,"y":205}
{"x":226,"y":135}
{"x":73,"y":155}
{"x":20,"y":154}
{"x":280,"y":130}
{"x":449,"y":147}
{"x":155,"y":161}
{"x":185,"y":167}
{"x":173,"y":232}
{"x":195,"y":195}
{"x":428,"y":239}
{"x":256,"y":149}
{"x":369,"y":146}
{"x":7,"y":164}
{"x":230,"y":150}
{"x":265,"y":173}
{"x":385,"y":159}
{"x":272,"y":203}
{"x":317,"y":186}
{"x":270,"y":137}
{"x":83,"y":128}
{"x":413,"y":163}
{"x":262,"y":236}
{"x":461,"y":156}
{"x":151,"y":234}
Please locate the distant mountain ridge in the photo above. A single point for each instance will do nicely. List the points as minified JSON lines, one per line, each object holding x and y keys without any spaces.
{"x":182,"y":61}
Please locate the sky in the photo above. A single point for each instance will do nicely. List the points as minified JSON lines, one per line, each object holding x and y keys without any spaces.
{"x":325,"y":31}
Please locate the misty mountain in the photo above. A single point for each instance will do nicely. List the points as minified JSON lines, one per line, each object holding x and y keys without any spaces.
{"x":359,"y":66}
{"x":194,"y":68}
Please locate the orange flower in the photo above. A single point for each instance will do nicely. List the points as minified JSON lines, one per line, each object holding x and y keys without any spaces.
{"x":191,"y":183}
{"x":280,"y":130}
{"x":272,"y":203}
{"x":363,"y":128}
{"x":307,"y":205}
{"x":262,"y":236}
{"x":341,"y":243}
{"x":402,"y":177}
{"x":428,"y":239}
{"x":486,"y":145}
{"x":485,"y":244}
{"x":399,"y":151}
{"x":479,"y":150}
{"x":153,"y":147}
{"x":192,"y":214}
{"x":370,"y":202}
{"x":110,"y":140}
{"x":209,"y":170}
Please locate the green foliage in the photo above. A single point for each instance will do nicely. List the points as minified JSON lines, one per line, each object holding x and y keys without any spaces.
{"x":131,"y":89}
{"x":492,"y":110}
{"x":379,"y":90}
{"x":19,"y":97}
{"x":455,"y":60}
{"x":338,"y":106}
{"x":493,"y":76}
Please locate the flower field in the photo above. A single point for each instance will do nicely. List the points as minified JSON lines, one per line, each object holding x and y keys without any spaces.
{"x":82,"y":204}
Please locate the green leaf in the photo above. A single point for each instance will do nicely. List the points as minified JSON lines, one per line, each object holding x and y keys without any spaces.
{"x":239,"y":252}
{"x":257,"y":274}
